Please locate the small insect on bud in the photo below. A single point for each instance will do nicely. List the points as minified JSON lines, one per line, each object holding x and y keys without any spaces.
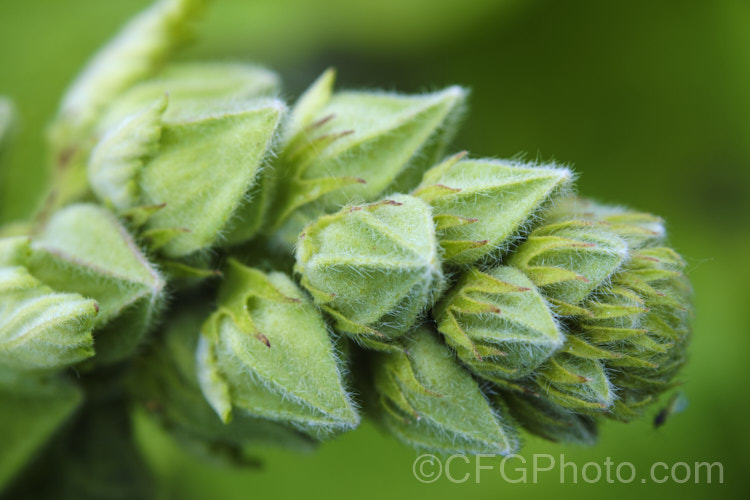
{"x":84,"y":249}
{"x":481,"y":206}
{"x":430,"y":401}
{"x":498,"y":323}
{"x":265,"y":352}
{"x":374,"y":268}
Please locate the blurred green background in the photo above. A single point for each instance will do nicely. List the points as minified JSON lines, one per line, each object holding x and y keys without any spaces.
{"x":648,"y":101}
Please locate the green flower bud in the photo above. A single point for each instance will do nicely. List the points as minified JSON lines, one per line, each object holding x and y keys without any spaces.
{"x":32,"y":409}
{"x":174,"y":167}
{"x":140,"y":50}
{"x":498,"y":323}
{"x":638,"y":229}
{"x":266,"y":353}
{"x":429,"y":401}
{"x":167,"y":386}
{"x":196,"y":90}
{"x":83,"y":249}
{"x":545,"y":419}
{"x":482,"y":206}
{"x":576,"y":378}
{"x":374,"y":268}
{"x":356,"y":147}
{"x":41,"y":329}
{"x":568,"y":260}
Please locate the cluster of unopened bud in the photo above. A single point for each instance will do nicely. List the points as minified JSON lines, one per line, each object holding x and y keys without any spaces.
{"x":294,"y":269}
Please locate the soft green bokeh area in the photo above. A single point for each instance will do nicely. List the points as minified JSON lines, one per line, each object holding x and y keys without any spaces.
{"x":648,"y":101}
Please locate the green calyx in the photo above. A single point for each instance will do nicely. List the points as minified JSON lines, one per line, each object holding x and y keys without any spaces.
{"x":545,"y":419}
{"x":327,"y":158}
{"x":498,"y":323}
{"x":482,"y":206}
{"x":139,"y":163}
{"x":40,"y":328}
{"x":373,"y":268}
{"x":167,"y":386}
{"x":83,"y":249}
{"x":429,"y":401}
{"x":266,"y":352}
{"x":568,"y":260}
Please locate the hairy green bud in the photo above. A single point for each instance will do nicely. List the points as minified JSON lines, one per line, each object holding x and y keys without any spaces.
{"x":643,"y":318}
{"x":373,"y":268}
{"x":576,"y":378}
{"x":266,"y":352}
{"x":117,"y":160}
{"x":636,"y":325}
{"x":638,"y":229}
{"x":429,"y":401}
{"x":198,"y":90}
{"x":41,"y":329}
{"x":545,"y":419}
{"x":629,"y":321}
{"x":136,"y":53}
{"x":83,"y":249}
{"x":568,"y":260}
{"x":356,"y":147}
{"x":173,"y":166}
{"x":498,"y":323}
{"x":482,"y":206}
{"x":167,"y":386}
